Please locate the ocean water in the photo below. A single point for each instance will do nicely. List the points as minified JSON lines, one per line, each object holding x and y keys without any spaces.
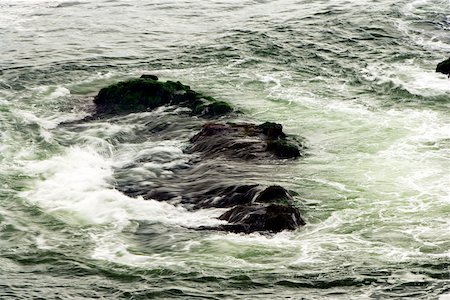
{"x":354,"y":78}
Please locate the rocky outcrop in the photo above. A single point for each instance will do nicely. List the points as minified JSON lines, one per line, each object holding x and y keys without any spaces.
{"x":444,"y":67}
{"x":252,"y":207}
{"x":256,"y":218}
{"x":245,"y":141}
{"x":147,"y":93}
{"x":257,"y":210}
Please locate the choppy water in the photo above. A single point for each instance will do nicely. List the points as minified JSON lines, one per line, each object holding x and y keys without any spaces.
{"x":355,"y":78}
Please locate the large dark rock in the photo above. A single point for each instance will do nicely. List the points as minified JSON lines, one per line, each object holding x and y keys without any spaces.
{"x":272,"y":218}
{"x":254,"y":209}
{"x":272,"y":209}
{"x":245,"y":141}
{"x":147,"y":93}
{"x":202,"y":182}
{"x":444,"y":67}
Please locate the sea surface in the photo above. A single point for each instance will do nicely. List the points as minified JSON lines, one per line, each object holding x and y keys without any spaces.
{"x":356,"y":79}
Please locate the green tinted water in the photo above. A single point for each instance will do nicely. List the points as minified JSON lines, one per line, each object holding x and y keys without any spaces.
{"x":355,"y":79}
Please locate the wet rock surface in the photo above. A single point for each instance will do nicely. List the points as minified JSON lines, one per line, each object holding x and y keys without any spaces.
{"x":220,"y":166}
{"x":272,"y":218}
{"x":444,"y":67}
{"x":147,"y":93}
{"x":245,"y":141}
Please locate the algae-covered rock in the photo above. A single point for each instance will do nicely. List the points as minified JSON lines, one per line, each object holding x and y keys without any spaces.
{"x":274,"y":194}
{"x":283,"y":148}
{"x":139,"y":95}
{"x":212,"y":109}
{"x":272,"y":130}
{"x":444,"y":67}
{"x":277,"y":142}
{"x":147,"y":93}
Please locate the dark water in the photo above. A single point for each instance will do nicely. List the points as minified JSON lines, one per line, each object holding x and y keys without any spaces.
{"x":356,"y":79}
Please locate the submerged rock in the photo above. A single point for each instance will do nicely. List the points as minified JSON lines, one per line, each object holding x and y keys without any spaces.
{"x":245,"y":141}
{"x":147,"y":93}
{"x":444,"y":67}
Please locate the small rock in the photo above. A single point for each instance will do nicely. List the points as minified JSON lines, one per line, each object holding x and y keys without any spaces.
{"x":444,"y":67}
{"x":149,"y":76}
{"x":273,"y":218}
{"x":273,"y":194}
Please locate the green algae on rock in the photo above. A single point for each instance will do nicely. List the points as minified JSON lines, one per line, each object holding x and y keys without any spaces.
{"x":147,"y":93}
{"x":211,"y":109}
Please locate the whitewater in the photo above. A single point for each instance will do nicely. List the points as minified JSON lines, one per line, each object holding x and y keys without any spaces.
{"x":356,"y":79}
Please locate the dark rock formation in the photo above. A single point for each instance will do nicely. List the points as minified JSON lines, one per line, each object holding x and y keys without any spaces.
{"x":272,"y":218}
{"x":204,"y":183}
{"x":274,"y":194}
{"x":245,"y":141}
{"x":147,"y":93}
{"x":271,"y":209}
{"x":254,"y":209}
{"x":222,"y":196}
{"x":444,"y":67}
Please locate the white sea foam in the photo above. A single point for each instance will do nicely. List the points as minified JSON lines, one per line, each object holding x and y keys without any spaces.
{"x":405,"y":173}
{"x":414,"y":79}
{"x":78,"y":185}
{"x":411,"y":7}
{"x":60,"y":91}
{"x":415,"y":12}
{"x":41,"y":243}
{"x":30,"y":118}
{"x":423,"y":38}
{"x":51,"y":92}
{"x":308,"y":99}
{"x":444,"y":296}
{"x":47,"y":124}
{"x":76,"y":188}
